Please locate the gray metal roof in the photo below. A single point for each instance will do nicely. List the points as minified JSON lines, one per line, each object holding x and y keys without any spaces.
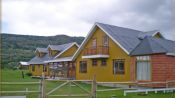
{"x":146,"y":34}
{"x":60,"y":47}
{"x":44,"y":50}
{"x":128,"y":38}
{"x":150,"y":45}
{"x":40,"y":60}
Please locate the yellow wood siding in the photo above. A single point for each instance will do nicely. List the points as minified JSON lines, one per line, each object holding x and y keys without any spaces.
{"x":69,"y":52}
{"x":157,"y":35}
{"x":104,"y":73}
{"x":38,"y":70}
{"x":52,"y":52}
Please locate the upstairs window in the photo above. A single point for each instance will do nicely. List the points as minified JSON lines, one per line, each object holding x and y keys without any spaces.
{"x":94,"y":43}
{"x":118,"y":66}
{"x":105,"y":40}
{"x":83,"y":67}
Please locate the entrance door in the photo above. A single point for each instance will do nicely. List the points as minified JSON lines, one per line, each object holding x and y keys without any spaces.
{"x":143,"y":70}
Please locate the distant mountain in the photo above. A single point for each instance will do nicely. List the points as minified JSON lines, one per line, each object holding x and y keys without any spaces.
{"x":17,"y":48}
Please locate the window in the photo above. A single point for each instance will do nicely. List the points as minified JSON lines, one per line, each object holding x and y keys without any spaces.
{"x":94,"y":43}
{"x":103,"y":62}
{"x":38,"y":66}
{"x":143,"y":68}
{"x":105,"y":40}
{"x":44,"y":68}
{"x":94,"y":62}
{"x":33,"y":67}
{"x":118,"y":66}
{"x":83,"y":67}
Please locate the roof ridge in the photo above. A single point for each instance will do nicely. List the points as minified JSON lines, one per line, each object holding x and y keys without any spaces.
{"x":63,"y":44}
{"x":117,"y":26}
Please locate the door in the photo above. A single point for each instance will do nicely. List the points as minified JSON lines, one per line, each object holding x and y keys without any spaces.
{"x":143,"y":70}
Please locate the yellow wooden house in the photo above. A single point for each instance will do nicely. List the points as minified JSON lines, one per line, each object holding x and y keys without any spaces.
{"x":40,"y":63}
{"x":62,"y":64}
{"x":37,"y":66}
{"x":105,"y":52}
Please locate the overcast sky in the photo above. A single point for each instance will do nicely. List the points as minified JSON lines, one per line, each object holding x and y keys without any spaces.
{"x":76,"y":17}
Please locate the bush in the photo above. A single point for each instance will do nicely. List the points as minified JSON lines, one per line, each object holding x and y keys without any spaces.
{"x":29,"y":74}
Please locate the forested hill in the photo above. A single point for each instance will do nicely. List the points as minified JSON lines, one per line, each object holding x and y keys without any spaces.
{"x":17,"y":48}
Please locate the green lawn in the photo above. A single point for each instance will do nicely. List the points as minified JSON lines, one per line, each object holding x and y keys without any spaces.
{"x":15,"y":76}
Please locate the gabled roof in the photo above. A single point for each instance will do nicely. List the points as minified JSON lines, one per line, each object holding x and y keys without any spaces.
{"x":150,"y":45}
{"x":59,"y":47}
{"x":60,"y":59}
{"x":127,"y":39}
{"x":40,"y":60}
{"x":72,"y":44}
{"x":44,"y":50}
{"x":149,"y":33}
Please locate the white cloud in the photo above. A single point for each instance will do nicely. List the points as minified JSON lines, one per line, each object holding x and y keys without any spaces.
{"x":75,"y":17}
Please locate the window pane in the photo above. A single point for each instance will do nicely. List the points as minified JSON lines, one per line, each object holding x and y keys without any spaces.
{"x":121,"y":66}
{"x":103,"y":62}
{"x":94,"y":62}
{"x":118,"y":66}
{"x":105,"y":40}
{"x":94,"y":43}
{"x":83,"y":67}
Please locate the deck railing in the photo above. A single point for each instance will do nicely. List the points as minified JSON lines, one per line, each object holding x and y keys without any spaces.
{"x":101,"y":50}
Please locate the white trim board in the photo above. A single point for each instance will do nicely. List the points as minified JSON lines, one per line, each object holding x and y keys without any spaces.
{"x":170,"y":54}
{"x":95,"y":56}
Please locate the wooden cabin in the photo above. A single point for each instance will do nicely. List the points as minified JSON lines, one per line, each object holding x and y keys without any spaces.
{"x":62,"y":64}
{"x":48,"y":60}
{"x":105,"y":52}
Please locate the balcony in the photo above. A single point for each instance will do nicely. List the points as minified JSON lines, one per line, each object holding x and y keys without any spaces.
{"x":98,"y":52}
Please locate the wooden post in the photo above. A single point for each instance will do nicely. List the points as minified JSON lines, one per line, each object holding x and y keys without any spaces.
{"x":94,"y":87}
{"x":22,"y":74}
{"x":41,"y":87}
{"x":167,"y":84}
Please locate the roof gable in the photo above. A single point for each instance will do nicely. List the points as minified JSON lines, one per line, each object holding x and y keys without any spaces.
{"x":149,"y":34}
{"x":66,"y":49}
{"x":59,"y":47}
{"x":40,"y":60}
{"x":43,"y":50}
{"x":125,"y":38}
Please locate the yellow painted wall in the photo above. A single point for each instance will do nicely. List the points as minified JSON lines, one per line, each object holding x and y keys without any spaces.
{"x":104,"y":73}
{"x":38,"y":70}
{"x":69,"y":52}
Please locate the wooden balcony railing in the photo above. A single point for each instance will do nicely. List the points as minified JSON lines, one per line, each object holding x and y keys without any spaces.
{"x":100,"y":50}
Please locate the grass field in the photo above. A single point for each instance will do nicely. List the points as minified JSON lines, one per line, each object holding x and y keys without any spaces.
{"x":15,"y":76}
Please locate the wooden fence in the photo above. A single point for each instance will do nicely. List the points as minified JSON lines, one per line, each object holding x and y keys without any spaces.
{"x":92,"y":93}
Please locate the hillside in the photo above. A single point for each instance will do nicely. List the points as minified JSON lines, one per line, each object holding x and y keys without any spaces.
{"x":17,"y":48}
